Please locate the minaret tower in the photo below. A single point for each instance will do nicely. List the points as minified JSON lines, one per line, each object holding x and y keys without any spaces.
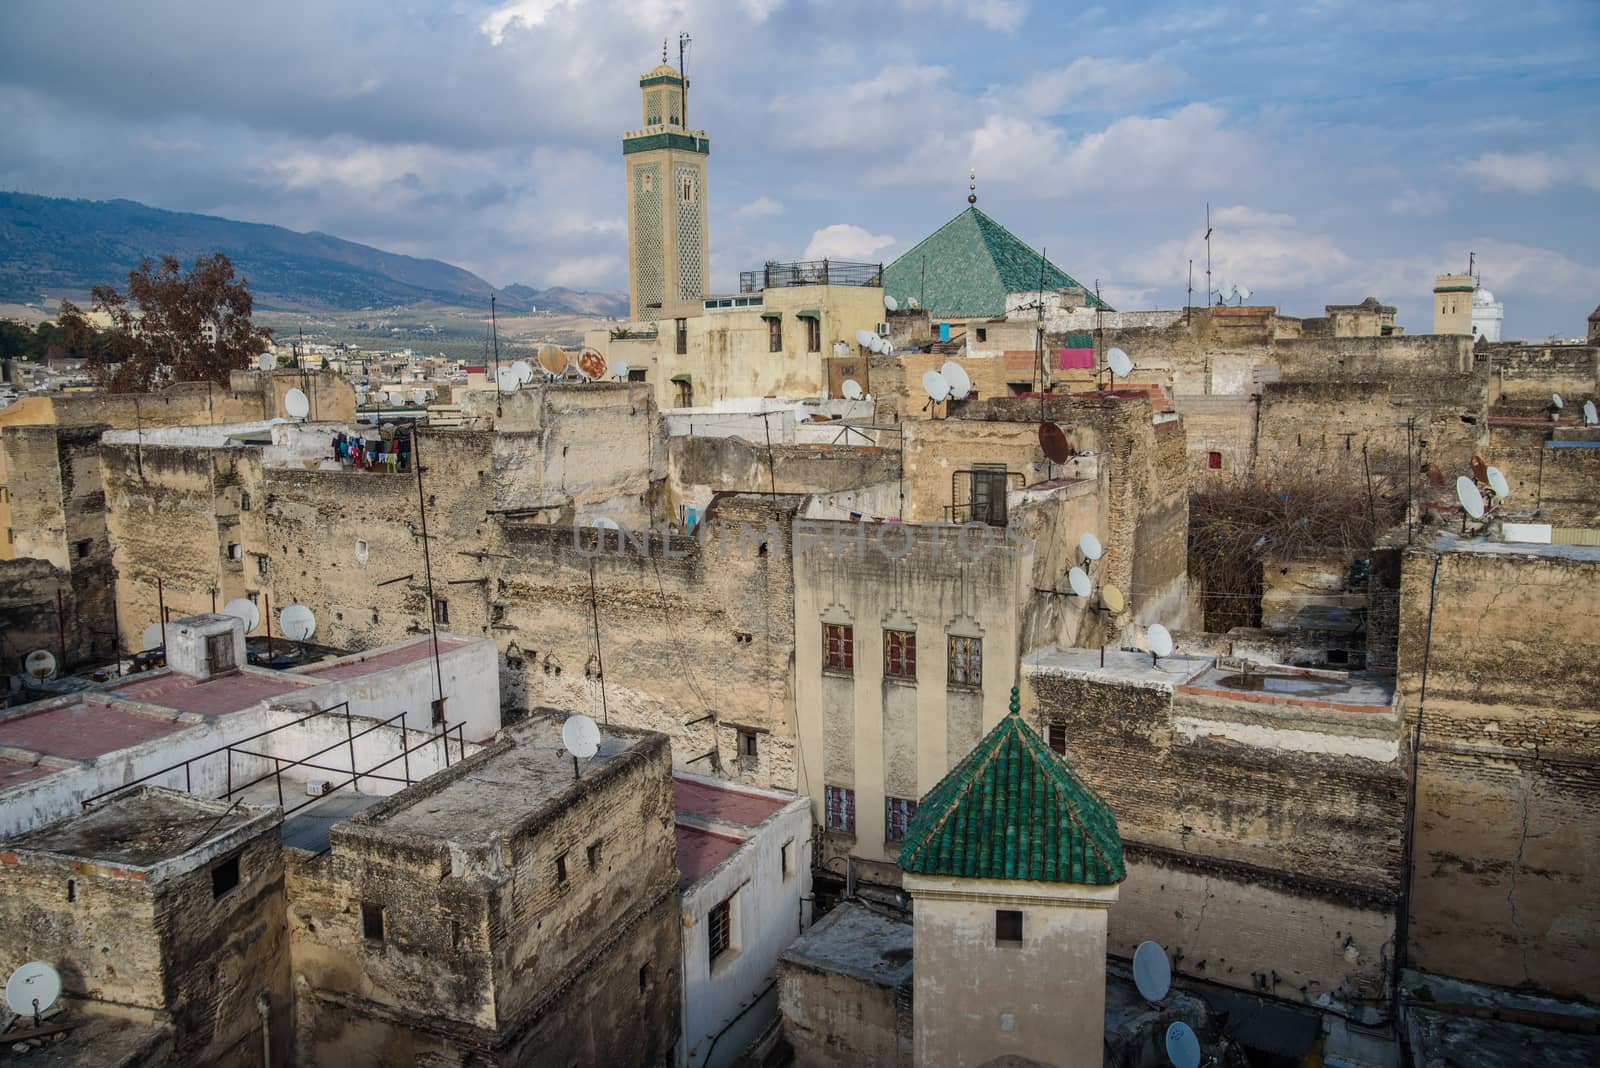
{"x":668,"y":252}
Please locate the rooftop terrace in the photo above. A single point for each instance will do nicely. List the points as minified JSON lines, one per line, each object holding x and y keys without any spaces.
{"x":139,"y":829}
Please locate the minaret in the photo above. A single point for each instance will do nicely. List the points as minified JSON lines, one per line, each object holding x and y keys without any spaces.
{"x":666,"y":164}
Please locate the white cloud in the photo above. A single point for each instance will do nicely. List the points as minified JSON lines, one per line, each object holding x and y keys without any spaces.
{"x":1534,"y":172}
{"x":1416,"y":205}
{"x":762,"y":207}
{"x":519,"y":14}
{"x":1090,"y":82}
{"x":995,"y":14}
{"x":846,"y":242}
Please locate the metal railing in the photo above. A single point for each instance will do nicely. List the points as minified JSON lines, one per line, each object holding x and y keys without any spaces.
{"x":966,"y":507}
{"x":811,"y":273}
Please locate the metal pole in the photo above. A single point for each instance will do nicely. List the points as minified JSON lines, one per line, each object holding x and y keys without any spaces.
{"x":277,"y":773}
{"x":599,"y":661}
{"x":116,"y":632}
{"x":405,"y":749}
{"x":355,"y":777}
{"x":161,"y":601}
{"x":427,"y":569}
{"x":267,"y":615}
{"x":229,"y":794}
{"x":61,"y":629}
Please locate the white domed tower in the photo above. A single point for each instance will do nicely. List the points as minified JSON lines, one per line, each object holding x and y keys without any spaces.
{"x":1487,"y":314}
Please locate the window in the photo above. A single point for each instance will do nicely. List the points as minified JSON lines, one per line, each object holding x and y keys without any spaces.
{"x":774,"y":335}
{"x":900,"y":654}
{"x":897,"y":812}
{"x":244,"y":500}
{"x":989,"y":494}
{"x":839,"y":648}
{"x":688,"y":190}
{"x":636,"y":374}
{"x":788,"y":858}
{"x":224,"y":877}
{"x":1007,"y":927}
{"x":1214,"y":461}
{"x":372,"y":921}
{"x":719,"y":929}
{"x":966,"y":661}
{"x":645,"y":974}
{"x":561,"y":868}
{"x":235,"y":551}
{"x":594,"y":853}
{"x":747,"y":745}
{"x":841,"y":803}
{"x":261,"y":565}
{"x":683,"y":336}
{"x":85,"y":545}
{"x":361,"y":551}
{"x":441,"y":610}
{"x":72,"y":889}
{"x":813,"y":335}
{"x":685,"y":394}
{"x":983,"y":333}
{"x":1058,"y":738}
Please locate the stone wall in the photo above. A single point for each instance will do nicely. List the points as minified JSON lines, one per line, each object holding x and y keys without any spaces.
{"x":700,"y":467}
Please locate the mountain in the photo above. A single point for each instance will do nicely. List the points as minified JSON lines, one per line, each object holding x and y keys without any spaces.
{"x":55,"y":247}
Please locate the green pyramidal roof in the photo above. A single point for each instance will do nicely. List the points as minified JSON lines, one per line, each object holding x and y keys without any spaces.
{"x":965,"y":268}
{"x":1014,"y":810}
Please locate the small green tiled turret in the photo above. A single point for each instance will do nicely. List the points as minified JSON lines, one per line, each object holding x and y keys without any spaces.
{"x":1013,"y":809}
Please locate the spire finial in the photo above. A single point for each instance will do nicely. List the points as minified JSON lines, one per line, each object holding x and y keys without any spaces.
{"x":1016,"y":701}
{"x":972,"y":187}
{"x":663,"y":49}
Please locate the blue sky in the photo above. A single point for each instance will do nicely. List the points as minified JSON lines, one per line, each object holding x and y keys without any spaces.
{"x":1347,"y":149}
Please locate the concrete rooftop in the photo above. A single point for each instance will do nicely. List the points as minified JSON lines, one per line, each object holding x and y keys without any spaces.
{"x":1276,"y":684}
{"x":82,"y":730}
{"x":723,"y":802}
{"x":700,"y":850}
{"x":1121,"y":666}
{"x":216,"y":696}
{"x":857,"y":940}
{"x":354,"y":667}
{"x":137,"y":829}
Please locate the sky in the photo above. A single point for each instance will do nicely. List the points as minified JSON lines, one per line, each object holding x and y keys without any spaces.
{"x":1346,"y":149}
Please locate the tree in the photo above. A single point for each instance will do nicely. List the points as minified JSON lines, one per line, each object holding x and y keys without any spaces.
{"x":177,"y":327}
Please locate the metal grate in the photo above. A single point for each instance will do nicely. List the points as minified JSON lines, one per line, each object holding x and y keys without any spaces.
{"x":811,"y":273}
{"x":719,"y":929}
{"x":649,"y":266}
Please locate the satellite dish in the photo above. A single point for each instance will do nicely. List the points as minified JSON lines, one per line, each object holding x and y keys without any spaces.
{"x":1243,"y":293}
{"x":865,"y":338}
{"x":1090,"y":545}
{"x":934,"y":382}
{"x":32,"y":988}
{"x":604,"y":522}
{"x":1152,"y":972}
{"x":618,"y":368}
{"x":151,"y":638}
{"x":396,"y":397}
{"x":1111,"y":597}
{"x":241,"y":608}
{"x":1079,"y":581}
{"x":1480,"y":470}
{"x":266,"y":362}
{"x":1160,"y":639}
{"x":581,"y":736}
{"x":523,"y":371}
{"x":297,"y":622}
{"x":1119,"y":363}
{"x":1591,"y":416}
{"x":506,"y":378}
{"x":1183,"y":1048}
{"x":419,"y":396}
{"x":890,"y":303}
{"x":40,"y":663}
{"x":1224,"y":288}
{"x":591,"y":365}
{"x":1498,"y":483}
{"x":852,"y":389}
{"x":1471,"y":500}
{"x":841,"y":349}
{"x":956,"y":375}
{"x":1555,"y":399}
{"x":885,"y":347}
{"x":1053,"y":440}
{"x":553,"y":361}
{"x":296,"y":404}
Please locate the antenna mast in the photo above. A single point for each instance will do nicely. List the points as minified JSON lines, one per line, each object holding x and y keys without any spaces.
{"x":683,"y":43}
{"x":1208,"y":252}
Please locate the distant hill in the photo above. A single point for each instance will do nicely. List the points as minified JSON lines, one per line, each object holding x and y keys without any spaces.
{"x":55,"y":247}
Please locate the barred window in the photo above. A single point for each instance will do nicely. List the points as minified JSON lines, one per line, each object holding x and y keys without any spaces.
{"x":966,"y":661}
{"x":897,"y":813}
{"x":839,"y":648}
{"x":841,"y":805}
{"x":719,"y":929}
{"x":774,"y":335}
{"x":900,"y":654}
{"x":813,"y":335}
{"x":1058,"y":737}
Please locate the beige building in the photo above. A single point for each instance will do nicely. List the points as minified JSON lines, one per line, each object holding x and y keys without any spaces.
{"x":1452,"y":303}
{"x":668,"y":255}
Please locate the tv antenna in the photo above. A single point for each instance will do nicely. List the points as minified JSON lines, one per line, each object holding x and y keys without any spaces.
{"x":1119,"y":365}
{"x":1160,"y":641}
{"x":32,"y":989}
{"x":581,"y":737}
{"x":1208,"y":252}
{"x":242,"y":608}
{"x":296,"y":403}
{"x":297,"y":622}
{"x":936,"y":386}
{"x":684,"y":40}
{"x":852,"y":389}
{"x":1497,"y":482}
{"x":1152,"y":972}
{"x":619,"y":370}
{"x":1183,"y":1047}
{"x":1078,"y":580}
{"x":40,"y":665}
{"x":960,"y":381}
{"x":1090,"y":546}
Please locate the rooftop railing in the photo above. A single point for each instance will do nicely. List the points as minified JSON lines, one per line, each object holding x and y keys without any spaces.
{"x":811,"y":273}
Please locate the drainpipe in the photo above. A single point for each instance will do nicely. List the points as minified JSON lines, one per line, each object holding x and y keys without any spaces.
{"x":264,"y":1010}
{"x":1403,"y":920}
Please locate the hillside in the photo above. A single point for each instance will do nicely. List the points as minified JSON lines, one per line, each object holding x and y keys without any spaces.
{"x":55,"y":247}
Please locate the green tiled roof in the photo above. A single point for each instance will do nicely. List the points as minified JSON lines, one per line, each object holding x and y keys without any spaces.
{"x":965,"y":268}
{"x":1014,"y":810}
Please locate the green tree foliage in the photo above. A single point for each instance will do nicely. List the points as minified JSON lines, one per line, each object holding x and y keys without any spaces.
{"x":171,"y":326}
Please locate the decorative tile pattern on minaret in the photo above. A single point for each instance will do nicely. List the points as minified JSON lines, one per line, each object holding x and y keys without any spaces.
{"x":666,"y":170}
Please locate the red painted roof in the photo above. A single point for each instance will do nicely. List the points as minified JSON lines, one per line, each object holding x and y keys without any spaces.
{"x":699,"y":851}
{"x":726,"y":803}
{"x":15,"y":771}
{"x":409,"y":654}
{"x":84,"y":730}
{"x":212,"y":697}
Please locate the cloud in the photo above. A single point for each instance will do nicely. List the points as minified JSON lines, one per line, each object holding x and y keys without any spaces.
{"x":1088,"y":82}
{"x":1417,"y":205}
{"x":1534,"y":172}
{"x":762,"y":207}
{"x":846,"y":242}
{"x":995,"y":14}
{"x":519,"y":14}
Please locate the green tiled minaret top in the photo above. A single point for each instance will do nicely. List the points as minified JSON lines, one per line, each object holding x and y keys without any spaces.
{"x":965,"y":268}
{"x":1012,"y":809}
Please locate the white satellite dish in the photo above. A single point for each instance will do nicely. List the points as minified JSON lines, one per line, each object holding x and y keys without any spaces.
{"x":1119,"y":363}
{"x":524,"y":372}
{"x":1591,"y":416}
{"x":1498,"y":483}
{"x":1090,"y":546}
{"x":151,"y":637}
{"x":936,"y":385}
{"x":1555,"y":398}
{"x":506,"y":378}
{"x":32,"y":989}
{"x":604,"y":522}
{"x":890,"y":303}
{"x":296,"y":404}
{"x":41,"y":664}
{"x":1152,"y":971}
{"x":886,"y":347}
{"x":297,"y":622}
{"x":581,"y":736}
{"x":1224,"y":289}
{"x":1183,"y":1048}
{"x":619,"y":368}
{"x":852,"y":389}
{"x":1471,"y":500}
{"x":865,"y":338}
{"x":960,"y":381}
{"x":266,"y":362}
{"x":241,"y":608}
{"x":419,"y":396}
{"x":1079,"y":581}
{"x":841,"y":348}
{"x":1160,"y":639}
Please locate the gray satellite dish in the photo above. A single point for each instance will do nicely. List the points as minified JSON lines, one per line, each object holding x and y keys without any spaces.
{"x":1119,"y":363}
{"x":1555,"y":398}
{"x":241,"y":608}
{"x":852,"y":389}
{"x":297,"y":622}
{"x":151,"y":637}
{"x":419,"y":396}
{"x":1591,"y":415}
{"x":1498,"y":483}
{"x":1183,"y":1048}
{"x":1090,"y":546}
{"x":841,"y":348}
{"x":32,"y":989}
{"x":41,"y":664}
{"x":890,"y":303}
{"x":619,"y":369}
{"x":1224,"y":289}
{"x":1152,"y":972}
{"x":1160,"y":639}
{"x":524,"y":372}
{"x":1471,"y":500}
{"x":296,"y":404}
{"x":266,"y":362}
{"x":581,"y":736}
{"x":506,"y":378}
{"x":865,"y":338}
{"x":1079,"y":581}
{"x":604,"y":522}
{"x":1242,"y":292}
{"x":934,"y":382}
{"x":956,"y":375}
